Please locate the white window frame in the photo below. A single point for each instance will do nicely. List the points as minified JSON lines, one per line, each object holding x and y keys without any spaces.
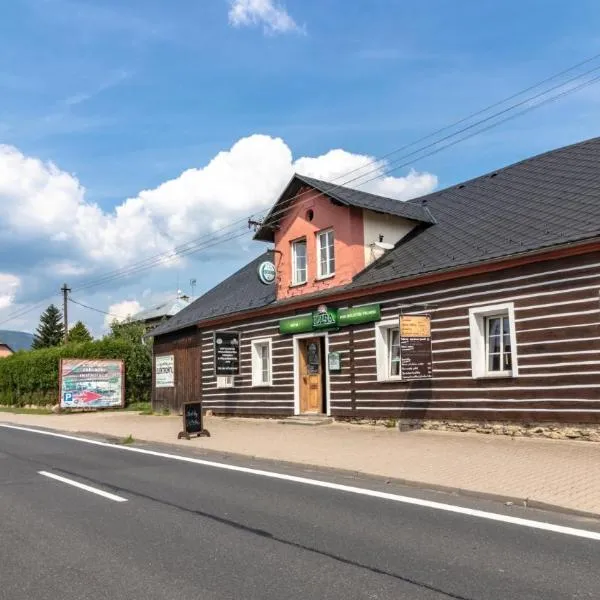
{"x":295,"y":243}
{"x":479,"y":348}
{"x":319,"y":235}
{"x":225,"y":381}
{"x":257,"y":370}
{"x":382,"y":350}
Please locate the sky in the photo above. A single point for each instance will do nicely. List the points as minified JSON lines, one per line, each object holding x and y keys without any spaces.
{"x":129,"y":129}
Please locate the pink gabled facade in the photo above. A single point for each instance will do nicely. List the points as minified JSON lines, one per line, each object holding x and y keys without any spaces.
{"x":304,"y":221}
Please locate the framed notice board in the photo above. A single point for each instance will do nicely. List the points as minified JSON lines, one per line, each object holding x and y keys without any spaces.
{"x":227,"y":352}
{"x":415,"y":347}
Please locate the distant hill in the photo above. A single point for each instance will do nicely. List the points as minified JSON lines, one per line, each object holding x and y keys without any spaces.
{"x":17,"y":340}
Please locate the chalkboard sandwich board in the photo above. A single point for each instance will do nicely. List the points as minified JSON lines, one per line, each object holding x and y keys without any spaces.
{"x":192,"y":421}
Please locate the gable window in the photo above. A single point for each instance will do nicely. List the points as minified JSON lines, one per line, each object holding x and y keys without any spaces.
{"x":225,"y":381}
{"x":299,"y":262}
{"x":325,"y":253}
{"x":493,"y":341}
{"x":261,"y":363}
{"x":387,"y":350}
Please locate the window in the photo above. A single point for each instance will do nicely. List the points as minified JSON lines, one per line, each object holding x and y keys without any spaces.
{"x":261,"y":363}
{"x":299,"y":262}
{"x":497,"y":344}
{"x":325,"y":253}
{"x":387,"y":349}
{"x":493,"y":341}
{"x":225,"y":381}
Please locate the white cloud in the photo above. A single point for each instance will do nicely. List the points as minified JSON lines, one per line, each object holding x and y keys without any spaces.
{"x":121,"y":311}
{"x":273,"y":17}
{"x":50,"y":206}
{"x":362,"y":172}
{"x":9,"y":285}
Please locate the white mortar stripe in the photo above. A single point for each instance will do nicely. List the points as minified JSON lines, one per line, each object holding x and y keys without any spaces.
{"x":497,"y":389}
{"x":557,"y":327}
{"x":468,"y":408}
{"x":561,"y":364}
{"x":480,"y":514}
{"x":558,"y":315}
{"x":400,"y":401}
{"x":493,"y":290}
{"x":569,"y":341}
{"x":556,"y":354}
{"x":82,"y":486}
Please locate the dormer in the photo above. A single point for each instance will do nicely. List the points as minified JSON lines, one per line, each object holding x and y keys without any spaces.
{"x":325,"y":234}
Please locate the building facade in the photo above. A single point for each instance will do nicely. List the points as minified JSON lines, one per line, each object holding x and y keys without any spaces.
{"x":479,"y":302}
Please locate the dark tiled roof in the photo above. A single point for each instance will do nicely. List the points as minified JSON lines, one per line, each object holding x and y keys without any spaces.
{"x":343,"y":195}
{"x":548,"y":200}
{"x":544,"y":201}
{"x":242,"y":291}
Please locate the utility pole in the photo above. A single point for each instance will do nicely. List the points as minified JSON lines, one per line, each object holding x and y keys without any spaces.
{"x":65,"y":290}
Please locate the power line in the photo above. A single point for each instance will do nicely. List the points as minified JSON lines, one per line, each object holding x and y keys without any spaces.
{"x":94,"y":309}
{"x":194,"y":246}
{"x":190,"y":247}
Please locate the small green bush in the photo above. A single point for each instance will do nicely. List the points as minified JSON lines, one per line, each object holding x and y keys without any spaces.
{"x":31,"y":378}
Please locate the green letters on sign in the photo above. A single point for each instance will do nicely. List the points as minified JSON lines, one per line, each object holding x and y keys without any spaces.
{"x":325,"y":319}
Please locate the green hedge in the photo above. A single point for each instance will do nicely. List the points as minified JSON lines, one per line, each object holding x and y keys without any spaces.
{"x":32,"y":377}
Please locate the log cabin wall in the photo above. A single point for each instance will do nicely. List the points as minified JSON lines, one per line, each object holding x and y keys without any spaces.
{"x":184,"y":345}
{"x":556,"y":322}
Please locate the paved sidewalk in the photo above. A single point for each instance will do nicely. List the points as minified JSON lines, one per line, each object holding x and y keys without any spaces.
{"x":559,"y":474}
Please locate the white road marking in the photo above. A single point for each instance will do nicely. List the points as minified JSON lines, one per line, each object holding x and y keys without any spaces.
{"x":480,"y":514}
{"x":82,"y":486}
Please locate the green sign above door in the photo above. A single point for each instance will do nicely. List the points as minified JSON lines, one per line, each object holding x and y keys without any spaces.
{"x":330,"y":318}
{"x":359,"y":314}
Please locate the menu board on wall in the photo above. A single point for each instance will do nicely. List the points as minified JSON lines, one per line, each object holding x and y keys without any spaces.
{"x":227,"y":353}
{"x":415,"y":346}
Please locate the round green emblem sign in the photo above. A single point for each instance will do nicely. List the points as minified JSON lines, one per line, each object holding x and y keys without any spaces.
{"x":266,"y":272}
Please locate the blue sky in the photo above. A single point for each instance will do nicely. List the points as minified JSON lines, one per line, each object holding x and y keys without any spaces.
{"x":101,"y":100}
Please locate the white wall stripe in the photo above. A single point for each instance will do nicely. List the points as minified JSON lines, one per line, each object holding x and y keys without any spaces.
{"x":239,"y":401}
{"x":519,"y":331}
{"x":493,"y":290}
{"x":400,"y":401}
{"x":558,"y":315}
{"x":501,"y":389}
{"x":538,"y":354}
{"x":470,"y":378}
{"x":480,"y":409}
{"x":569,"y":341}
{"x":561,"y":364}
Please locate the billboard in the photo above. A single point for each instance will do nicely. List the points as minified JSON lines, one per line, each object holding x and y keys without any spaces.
{"x":91,"y":383}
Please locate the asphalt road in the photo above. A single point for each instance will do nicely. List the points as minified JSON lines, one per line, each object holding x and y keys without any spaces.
{"x":188,"y":530}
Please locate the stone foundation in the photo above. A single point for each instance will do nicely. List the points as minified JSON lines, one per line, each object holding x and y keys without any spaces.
{"x":555,"y":431}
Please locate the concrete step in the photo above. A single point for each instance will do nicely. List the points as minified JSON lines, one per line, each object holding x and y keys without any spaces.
{"x":308,"y":420}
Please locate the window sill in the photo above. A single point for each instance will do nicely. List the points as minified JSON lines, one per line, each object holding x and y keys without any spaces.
{"x":324,"y":277}
{"x":295,"y":285}
{"x":262,"y":385}
{"x":499,"y":375}
{"x":390,"y":379}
